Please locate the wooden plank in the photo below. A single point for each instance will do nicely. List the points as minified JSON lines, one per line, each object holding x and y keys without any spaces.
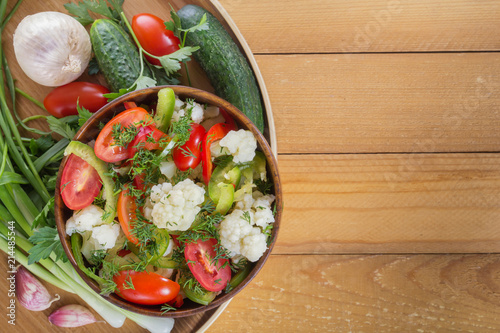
{"x":406,"y":203}
{"x":367,"y":26}
{"x":384,"y":102}
{"x":382,"y":293}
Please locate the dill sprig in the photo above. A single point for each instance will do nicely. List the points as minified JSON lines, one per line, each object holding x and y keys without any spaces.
{"x":123,"y":135}
{"x":181,"y":129}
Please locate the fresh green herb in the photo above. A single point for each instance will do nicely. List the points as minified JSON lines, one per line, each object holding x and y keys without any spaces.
{"x":111,"y":96}
{"x":263,"y":186}
{"x":247,"y":217}
{"x":46,"y":242}
{"x":122,"y":135}
{"x":83,"y":114}
{"x":181,"y":175}
{"x":44,"y":214}
{"x":81,"y":10}
{"x":62,"y":126}
{"x":166,"y":308}
{"x":181,"y":129}
{"x":128,"y":283}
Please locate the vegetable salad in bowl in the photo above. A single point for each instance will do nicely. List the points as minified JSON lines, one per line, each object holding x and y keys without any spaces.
{"x":168,"y":202}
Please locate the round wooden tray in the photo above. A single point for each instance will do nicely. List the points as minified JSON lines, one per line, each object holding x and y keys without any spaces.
{"x":198,"y":323}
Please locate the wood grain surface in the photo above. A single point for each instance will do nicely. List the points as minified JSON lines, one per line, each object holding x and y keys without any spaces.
{"x":387,"y":116}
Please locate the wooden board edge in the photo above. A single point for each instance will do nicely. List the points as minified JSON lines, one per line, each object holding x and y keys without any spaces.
{"x":258,"y":74}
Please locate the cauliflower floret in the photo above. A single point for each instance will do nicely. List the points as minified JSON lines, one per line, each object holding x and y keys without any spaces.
{"x":216,"y":150}
{"x":174,"y":207}
{"x":260,"y":206}
{"x":241,"y":144}
{"x":181,"y":107}
{"x":106,"y":235}
{"x":254,"y":245}
{"x":263,"y":214}
{"x":211,"y":111}
{"x":239,"y":237}
{"x":84,"y":219}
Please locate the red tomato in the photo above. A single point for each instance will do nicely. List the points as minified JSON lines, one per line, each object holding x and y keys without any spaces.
{"x":188,"y":156}
{"x":80,"y":183}
{"x":212,"y":276}
{"x":104,"y":145}
{"x":148,"y":288}
{"x":126,"y":212}
{"x":177,"y":302}
{"x":153,"y":36}
{"x":61,"y":101}
{"x":141,"y":139}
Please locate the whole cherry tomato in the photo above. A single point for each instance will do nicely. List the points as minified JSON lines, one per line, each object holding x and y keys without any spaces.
{"x":153,"y":36}
{"x":188,"y":156}
{"x":146,"y":288}
{"x":62,"y":101}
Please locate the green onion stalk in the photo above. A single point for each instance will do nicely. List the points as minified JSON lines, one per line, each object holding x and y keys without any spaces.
{"x":26,"y":205}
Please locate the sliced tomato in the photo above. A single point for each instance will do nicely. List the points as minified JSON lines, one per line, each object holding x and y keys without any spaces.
{"x":188,"y":156}
{"x":104,"y":146}
{"x":145,"y":288}
{"x":80,"y":183}
{"x":149,"y":138}
{"x":126,"y":212}
{"x":213,"y":275}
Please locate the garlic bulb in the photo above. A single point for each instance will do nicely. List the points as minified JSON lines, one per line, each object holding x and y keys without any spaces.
{"x":52,"y":48}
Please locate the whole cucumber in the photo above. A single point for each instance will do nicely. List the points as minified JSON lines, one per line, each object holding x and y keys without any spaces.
{"x":116,"y":54}
{"x":227,"y":69}
{"x":118,"y":58}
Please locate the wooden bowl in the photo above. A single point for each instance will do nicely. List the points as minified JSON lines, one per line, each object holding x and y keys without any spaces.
{"x":89,"y":132}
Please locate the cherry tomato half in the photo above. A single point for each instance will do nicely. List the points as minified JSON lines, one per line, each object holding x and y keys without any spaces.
{"x":80,"y":183}
{"x":188,"y":156}
{"x":126,"y":212}
{"x":153,"y":36}
{"x":148,"y":288}
{"x":213,"y":276}
{"x":104,"y":146}
{"x":62,"y":101}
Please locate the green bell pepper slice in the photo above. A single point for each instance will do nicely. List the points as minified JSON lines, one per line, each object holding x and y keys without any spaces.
{"x":164,"y":109}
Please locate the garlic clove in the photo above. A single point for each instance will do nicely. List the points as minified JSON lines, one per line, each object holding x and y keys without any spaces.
{"x":72,"y":315}
{"x":31,"y":293}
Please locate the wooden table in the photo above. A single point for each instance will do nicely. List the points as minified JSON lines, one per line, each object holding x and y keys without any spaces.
{"x":387,"y":116}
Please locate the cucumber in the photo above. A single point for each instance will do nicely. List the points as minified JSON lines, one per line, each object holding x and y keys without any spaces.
{"x":118,"y":58}
{"x":116,"y":54}
{"x":226,"y":67}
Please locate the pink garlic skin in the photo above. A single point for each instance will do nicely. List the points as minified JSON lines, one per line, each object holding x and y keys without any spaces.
{"x":72,"y":315}
{"x":31,"y":293}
